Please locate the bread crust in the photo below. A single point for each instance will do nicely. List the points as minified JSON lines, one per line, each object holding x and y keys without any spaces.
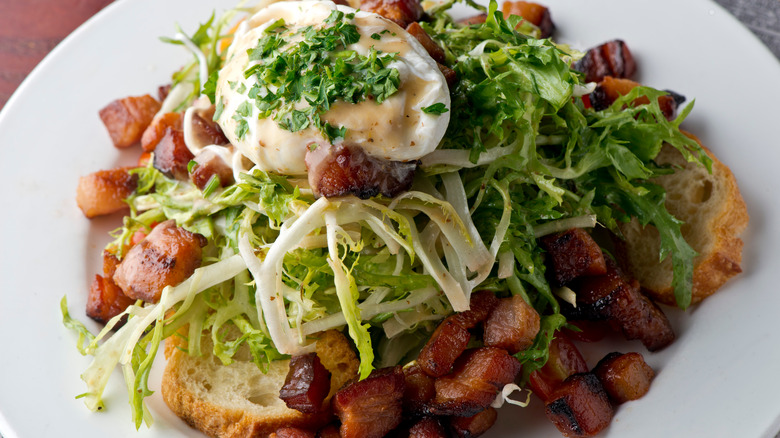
{"x":254,"y":409}
{"x":715,"y":215}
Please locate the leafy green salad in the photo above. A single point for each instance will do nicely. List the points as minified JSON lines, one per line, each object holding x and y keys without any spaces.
{"x":522,"y":157}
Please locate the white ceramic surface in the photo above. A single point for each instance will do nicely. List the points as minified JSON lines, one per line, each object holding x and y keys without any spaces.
{"x":719,"y":379}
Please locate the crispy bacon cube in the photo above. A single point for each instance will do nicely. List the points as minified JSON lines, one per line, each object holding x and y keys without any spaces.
{"x":167,"y":256}
{"x":481,"y":304}
{"x":157,"y":129}
{"x":428,"y":427}
{"x":446,"y":343}
{"x":625,"y":377}
{"x":512,"y":325}
{"x":430,"y":46}
{"x":370,"y":408}
{"x":106,"y":300}
{"x":451,"y":337}
{"x":419,"y":389}
{"x":171,"y":155}
{"x":571,"y":254}
{"x":210,"y":165}
{"x":126,"y":119}
{"x":403,"y":12}
{"x":344,"y":170}
{"x":474,"y":382}
{"x":450,"y":75}
{"x":104,"y":191}
{"x":580,"y":406}
{"x":474,"y":426}
{"x":613,"y":298}
{"x":564,"y":360}
{"x":609,"y":59}
{"x":307,"y":384}
{"x":205,"y":130}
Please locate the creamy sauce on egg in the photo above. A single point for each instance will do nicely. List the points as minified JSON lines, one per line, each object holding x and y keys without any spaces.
{"x":397,"y":129}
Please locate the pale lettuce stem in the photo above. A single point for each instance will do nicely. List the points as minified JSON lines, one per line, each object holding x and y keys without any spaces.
{"x":556,"y":226}
{"x":434,"y":267}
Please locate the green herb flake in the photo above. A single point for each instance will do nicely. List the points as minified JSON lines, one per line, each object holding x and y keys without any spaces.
{"x":242,"y":128}
{"x":276,"y":26}
{"x":437,"y":108}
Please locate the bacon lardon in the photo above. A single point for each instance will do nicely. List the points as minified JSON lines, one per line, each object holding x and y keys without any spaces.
{"x":474,"y":19}
{"x":428,"y":427}
{"x":171,"y":155}
{"x":447,"y":342}
{"x":157,"y":129}
{"x":430,"y":46}
{"x":580,"y":406}
{"x":104,"y":192}
{"x":419,"y":390}
{"x":513,"y":325}
{"x":572,"y":254}
{"x":451,"y":337}
{"x":307,"y":384}
{"x":372,"y":407}
{"x":126,"y":119}
{"x":403,"y":12}
{"x":612,"y":58}
{"x":167,"y":256}
{"x":625,"y":377}
{"x":106,"y":300}
{"x":348,"y":170}
{"x":618,"y":300}
{"x":205,"y":130}
{"x":474,"y":426}
{"x":210,"y":165}
{"x":481,"y":304}
{"x":474,"y":382}
{"x":563,"y":361}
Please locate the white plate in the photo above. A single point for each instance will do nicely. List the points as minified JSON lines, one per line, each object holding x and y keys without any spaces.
{"x":719,"y":379}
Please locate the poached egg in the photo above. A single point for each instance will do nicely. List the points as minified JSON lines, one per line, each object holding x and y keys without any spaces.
{"x":396,"y":130}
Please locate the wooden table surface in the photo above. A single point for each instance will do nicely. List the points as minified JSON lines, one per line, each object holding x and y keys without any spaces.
{"x":29,"y":29}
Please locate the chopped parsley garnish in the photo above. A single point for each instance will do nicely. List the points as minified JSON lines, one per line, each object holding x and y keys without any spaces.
{"x":317,"y":68}
{"x":437,"y":108}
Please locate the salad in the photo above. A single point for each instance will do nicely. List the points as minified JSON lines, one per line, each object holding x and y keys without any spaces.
{"x":516,"y":155}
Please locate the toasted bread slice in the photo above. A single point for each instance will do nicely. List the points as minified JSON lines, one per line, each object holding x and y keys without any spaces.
{"x":239,"y":400}
{"x":714,"y":214}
